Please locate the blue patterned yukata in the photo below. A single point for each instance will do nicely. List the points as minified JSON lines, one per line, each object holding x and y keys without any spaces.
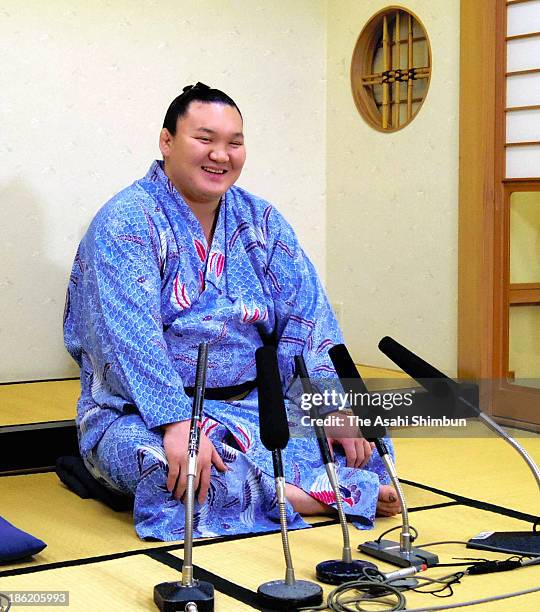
{"x":145,"y":290}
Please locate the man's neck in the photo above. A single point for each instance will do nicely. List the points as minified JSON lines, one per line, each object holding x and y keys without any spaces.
{"x":206,"y":215}
{"x":205,"y":211}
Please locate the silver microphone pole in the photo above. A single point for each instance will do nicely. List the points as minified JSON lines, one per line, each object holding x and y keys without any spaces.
{"x":333,"y":571}
{"x":434,"y":381}
{"x":290,"y":593}
{"x":402,"y":554}
{"x":189,"y":593}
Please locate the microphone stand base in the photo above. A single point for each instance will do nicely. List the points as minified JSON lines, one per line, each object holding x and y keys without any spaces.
{"x":513,"y":542}
{"x":173,"y":596}
{"x":338,"y":572}
{"x":278,"y":595}
{"x":389,"y":551}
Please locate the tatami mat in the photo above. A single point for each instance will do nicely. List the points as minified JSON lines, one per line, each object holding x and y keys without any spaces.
{"x":76,"y":528}
{"x":73,"y":528}
{"x":38,"y":402}
{"x":125,"y":584}
{"x":309,"y":547}
{"x":84,"y":531}
{"x":485,"y":469}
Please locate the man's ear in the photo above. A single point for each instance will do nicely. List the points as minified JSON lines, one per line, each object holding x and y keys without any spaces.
{"x":165,"y":141}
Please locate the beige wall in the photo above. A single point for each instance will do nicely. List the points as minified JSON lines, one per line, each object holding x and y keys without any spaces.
{"x":84,"y":87}
{"x":392,"y":202}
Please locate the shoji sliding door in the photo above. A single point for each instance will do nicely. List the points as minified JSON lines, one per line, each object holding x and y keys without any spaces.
{"x":499,"y":302}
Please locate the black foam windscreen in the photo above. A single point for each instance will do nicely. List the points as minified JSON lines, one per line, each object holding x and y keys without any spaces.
{"x":463,"y":398}
{"x":353,"y":383}
{"x":274,"y":429}
{"x":345,"y":367}
{"x":411,"y":364}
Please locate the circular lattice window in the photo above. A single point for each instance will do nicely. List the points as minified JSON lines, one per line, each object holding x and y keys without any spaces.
{"x":391,"y":68}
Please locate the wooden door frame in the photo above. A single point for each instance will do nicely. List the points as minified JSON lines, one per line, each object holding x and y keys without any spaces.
{"x":477,"y":198}
{"x":483,"y":294}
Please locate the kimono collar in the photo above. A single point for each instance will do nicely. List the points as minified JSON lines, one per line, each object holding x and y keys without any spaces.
{"x":241,"y":234}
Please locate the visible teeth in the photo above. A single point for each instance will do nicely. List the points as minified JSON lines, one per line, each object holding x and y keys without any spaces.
{"x":214,"y":170}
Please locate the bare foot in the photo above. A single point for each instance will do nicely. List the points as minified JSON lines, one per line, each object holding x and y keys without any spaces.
{"x":304,"y":503}
{"x":388,"y":502}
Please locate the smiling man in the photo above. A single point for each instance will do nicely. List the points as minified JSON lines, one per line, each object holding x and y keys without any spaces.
{"x":183,"y":256}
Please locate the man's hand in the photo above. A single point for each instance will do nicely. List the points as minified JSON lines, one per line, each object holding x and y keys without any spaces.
{"x":357,"y":450}
{"x":175,"y":443}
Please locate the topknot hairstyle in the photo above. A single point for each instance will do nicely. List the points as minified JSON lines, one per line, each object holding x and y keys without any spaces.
{"x":194,"y":93}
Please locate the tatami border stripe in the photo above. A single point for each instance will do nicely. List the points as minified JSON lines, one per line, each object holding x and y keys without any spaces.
{"x":168,"y":547}
{"x":28,"y":472}
{"x":434,"y":506}
{"x":138,"y":551}
{"x":44,"y":380}
{"x":240,"y":593}
{"x":474,"y":503}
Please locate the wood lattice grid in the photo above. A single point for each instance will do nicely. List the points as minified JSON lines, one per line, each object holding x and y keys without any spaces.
{"x":391,"y":69}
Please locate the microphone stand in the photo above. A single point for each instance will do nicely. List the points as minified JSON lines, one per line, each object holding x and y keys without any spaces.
{"x":190,"y":594}
{"x":516,"y":542}
{"x":334,"y":571}
{"x":403,"y":554}
{"x":521,"y":542}
{"x":287,"y":594}
{"x":277,"y":461}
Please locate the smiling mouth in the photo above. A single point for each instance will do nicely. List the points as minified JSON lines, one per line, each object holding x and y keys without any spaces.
{"x":214,"y":170}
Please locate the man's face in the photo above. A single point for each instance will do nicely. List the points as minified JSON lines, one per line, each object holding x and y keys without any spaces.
{"x":206,"y":155}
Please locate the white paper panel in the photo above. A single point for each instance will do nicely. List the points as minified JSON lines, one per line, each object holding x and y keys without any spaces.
{"x":523,"y":162}
{"x":523,"y":126}
{"x":523,"y":18}
{"x":523,"y":90}
{"x":523,"y":54}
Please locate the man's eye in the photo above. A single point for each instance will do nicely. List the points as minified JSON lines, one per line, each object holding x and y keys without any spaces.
{"x":203,"y":139}
{"x":237,"y":144}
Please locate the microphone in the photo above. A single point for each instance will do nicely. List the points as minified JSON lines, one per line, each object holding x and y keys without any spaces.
{"x":518,"y":542}
{"x":353,"y":384}
{"x":172,"y":596}
{"x":334,"y":571}
{"x":403,"y":554}
{"x":288,"y":594}
{"x":273,"y":424}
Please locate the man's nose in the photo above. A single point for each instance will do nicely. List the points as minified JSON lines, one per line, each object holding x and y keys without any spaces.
{"x":219,"y":155}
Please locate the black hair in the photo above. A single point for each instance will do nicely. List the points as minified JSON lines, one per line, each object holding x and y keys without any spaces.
{"x":194,"y":93}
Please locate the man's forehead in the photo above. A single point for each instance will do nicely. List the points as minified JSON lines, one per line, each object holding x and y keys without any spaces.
{"x":212,"y":116}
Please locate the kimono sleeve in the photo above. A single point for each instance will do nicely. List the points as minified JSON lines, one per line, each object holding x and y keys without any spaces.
{"x":124,"y":330}
{"x":305,"y":321}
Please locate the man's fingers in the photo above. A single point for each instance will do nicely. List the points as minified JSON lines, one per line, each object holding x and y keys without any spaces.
{"x":365,"y":452}
{"x":360,"y":453}
{"x":349,"y":447}
{"x":172,"y":476}
{"x":218,"y":461}
{"x":204,"y":484}
{"x":181,"y":484}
